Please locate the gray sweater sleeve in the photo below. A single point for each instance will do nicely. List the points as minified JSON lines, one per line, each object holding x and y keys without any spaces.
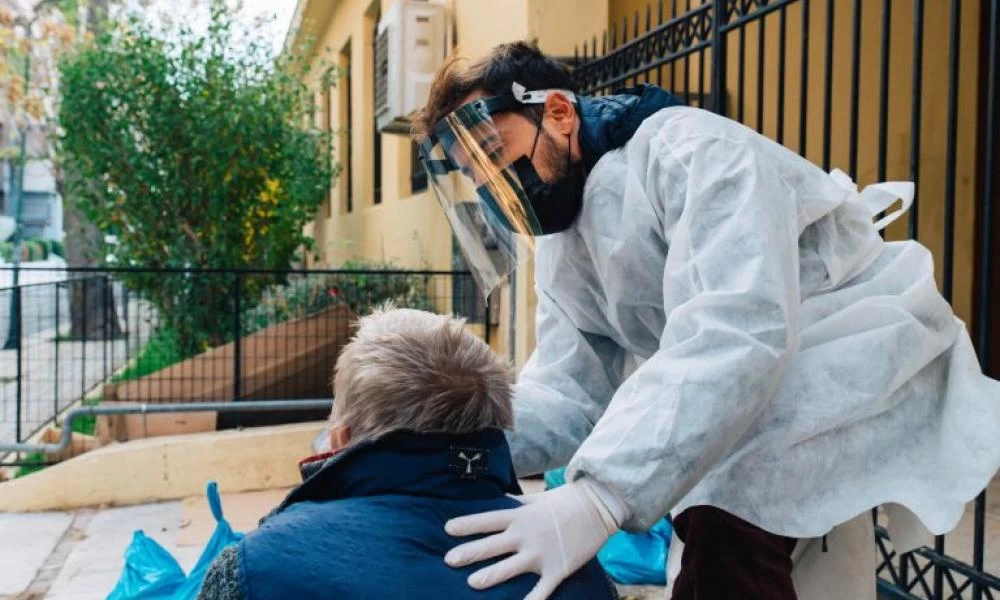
{"x":222,"y":582}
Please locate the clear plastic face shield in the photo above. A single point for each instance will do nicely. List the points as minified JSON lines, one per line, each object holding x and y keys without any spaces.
{"x":479,"y":188}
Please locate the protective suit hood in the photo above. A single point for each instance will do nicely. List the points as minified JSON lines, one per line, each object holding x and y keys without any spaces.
{"x":608,"y":122}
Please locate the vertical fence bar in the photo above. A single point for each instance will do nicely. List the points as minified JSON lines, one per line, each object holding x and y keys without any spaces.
{"x":761,"y":51}
{"x":18,"y":356}
{"x":986,"y":258}
{"x":128,"y":327}
{"x":55,"y":363}
{"x":237,"y":336}
{"x":637,"y":56}
{"x":855,"y":81}
{"x":113,"y":315}
{"x":949,"y":212}
{"x":782,"y":32}
{"x":687,"y":64}
{"x":918,"y":73}
{"x":701,"y":78}
{"x":85,"y":283}
{"x":104,"y":325}
{"x":828,"y":85}
{"x":661,"y":50}
{"x":804,"y":79}
{"x":951,"y":147}
{"x":883,"y":104}
{"x":719,"y":56}
{"x":673,"y":63}
{"x":741,"y":76}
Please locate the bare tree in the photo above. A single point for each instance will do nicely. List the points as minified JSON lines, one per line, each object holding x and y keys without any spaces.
{"x":93,"y":314}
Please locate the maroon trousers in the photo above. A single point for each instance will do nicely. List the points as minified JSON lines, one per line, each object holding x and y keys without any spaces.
{"x":726,"y":558}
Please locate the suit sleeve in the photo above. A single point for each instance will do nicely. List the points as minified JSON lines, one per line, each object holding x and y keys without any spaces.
{"x":562,"y":390}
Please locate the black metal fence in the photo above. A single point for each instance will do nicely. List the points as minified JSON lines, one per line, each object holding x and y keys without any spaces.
{"x":197,"y":335}
{"x":897,"y":89}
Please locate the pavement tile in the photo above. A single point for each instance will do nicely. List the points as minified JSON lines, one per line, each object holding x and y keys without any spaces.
{"x":26,"y":540}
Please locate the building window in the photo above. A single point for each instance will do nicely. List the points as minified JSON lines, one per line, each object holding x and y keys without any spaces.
{"x":418,"y":176}
{"x":346,"y":122}
{"x":376,"y":14}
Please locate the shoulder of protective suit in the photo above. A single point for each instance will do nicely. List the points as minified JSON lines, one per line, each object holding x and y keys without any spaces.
{"x":680,"y":124}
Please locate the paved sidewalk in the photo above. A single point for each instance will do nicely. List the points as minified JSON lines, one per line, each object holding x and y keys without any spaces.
{"x":89,"y":549}
{"x":28,"y":540}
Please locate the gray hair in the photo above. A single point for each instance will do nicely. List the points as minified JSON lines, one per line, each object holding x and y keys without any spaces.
{"x":415,"y":370}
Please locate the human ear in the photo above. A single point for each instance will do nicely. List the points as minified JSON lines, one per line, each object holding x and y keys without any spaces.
{"x":340,"y":437}
{"x":560,"y":113}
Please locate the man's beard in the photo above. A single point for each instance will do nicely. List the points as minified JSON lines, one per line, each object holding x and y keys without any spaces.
{"x":557,"y":159}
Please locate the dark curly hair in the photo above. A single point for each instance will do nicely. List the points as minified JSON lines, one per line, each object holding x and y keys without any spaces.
{"x":514,"y":61}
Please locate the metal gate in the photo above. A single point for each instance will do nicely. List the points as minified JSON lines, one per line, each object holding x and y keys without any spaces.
{"x":890,"y":89}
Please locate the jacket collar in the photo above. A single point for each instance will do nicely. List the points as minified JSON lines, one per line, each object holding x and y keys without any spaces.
{"x":436,"y":465}
{"x":608,"y":122}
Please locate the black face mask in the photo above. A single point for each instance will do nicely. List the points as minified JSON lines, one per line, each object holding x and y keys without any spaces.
{"x":555,"y":205}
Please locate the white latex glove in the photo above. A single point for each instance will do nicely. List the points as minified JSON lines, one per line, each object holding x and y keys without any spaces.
{"x":553,"y":534}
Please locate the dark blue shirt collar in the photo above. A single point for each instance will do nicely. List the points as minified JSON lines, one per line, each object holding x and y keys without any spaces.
{"x":609,"y":122}
{"x":435,"y":465}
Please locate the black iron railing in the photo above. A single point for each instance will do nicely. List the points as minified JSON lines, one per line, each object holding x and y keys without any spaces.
{"x":877,"y":102}
{"x":107,"y":335}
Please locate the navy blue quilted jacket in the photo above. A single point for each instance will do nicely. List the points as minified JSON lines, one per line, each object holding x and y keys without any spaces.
{"x":368,"y":523}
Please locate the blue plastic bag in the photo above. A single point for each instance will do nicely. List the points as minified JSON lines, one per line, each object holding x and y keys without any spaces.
{"x":152,"y":572}
{"x":630,"y":558}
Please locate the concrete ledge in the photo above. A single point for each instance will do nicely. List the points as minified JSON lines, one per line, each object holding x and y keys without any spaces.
{"x":166,"y":468}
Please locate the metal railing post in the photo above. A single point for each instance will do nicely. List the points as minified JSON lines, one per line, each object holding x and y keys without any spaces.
{"x":718,"y":46}
{"x":991,"y":142}
{"x":55,"y":363}
{"x":83,"y":281}
{"x":104,"y":325}
{"x":19,"y":374}
{"x":237,"y":335}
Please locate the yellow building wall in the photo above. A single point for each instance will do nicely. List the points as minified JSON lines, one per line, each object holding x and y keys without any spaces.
{"x":407,"y":230}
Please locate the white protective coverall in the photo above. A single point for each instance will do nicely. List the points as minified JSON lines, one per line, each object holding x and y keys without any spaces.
{"x":790,"y":367}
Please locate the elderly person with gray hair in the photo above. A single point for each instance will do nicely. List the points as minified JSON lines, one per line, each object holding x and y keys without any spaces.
{"x":417,"y":437}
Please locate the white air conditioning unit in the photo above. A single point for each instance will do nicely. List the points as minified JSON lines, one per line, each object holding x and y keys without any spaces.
{"x":410,"y":46}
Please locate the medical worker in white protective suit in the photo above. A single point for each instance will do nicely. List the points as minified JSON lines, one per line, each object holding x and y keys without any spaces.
{"x":722,"y":336}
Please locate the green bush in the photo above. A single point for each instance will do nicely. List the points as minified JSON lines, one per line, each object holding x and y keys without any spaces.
{"x":360,"y":291}
{"x":215,"y":162}
{"x":162,"y":349}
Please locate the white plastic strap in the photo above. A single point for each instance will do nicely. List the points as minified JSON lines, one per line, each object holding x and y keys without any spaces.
{"x":880,"y":196}
{"x":536,"y":96}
